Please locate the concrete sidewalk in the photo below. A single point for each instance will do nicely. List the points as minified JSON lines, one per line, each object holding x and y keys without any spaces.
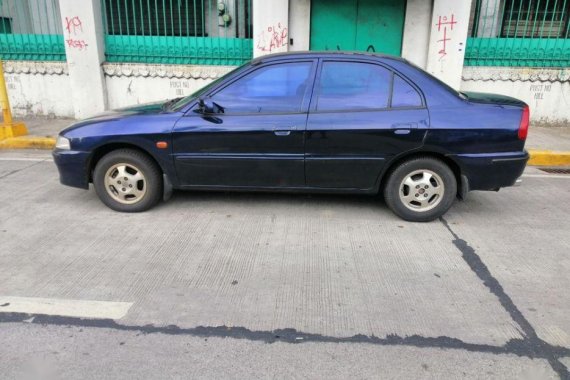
{"x":549,"y":146}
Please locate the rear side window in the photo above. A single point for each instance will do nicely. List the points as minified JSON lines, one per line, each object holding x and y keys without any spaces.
{"x":353,"y":86}
{"x":404,"y":95}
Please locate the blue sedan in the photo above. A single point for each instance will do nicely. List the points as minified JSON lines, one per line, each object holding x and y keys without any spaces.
{"x":310,"y":122}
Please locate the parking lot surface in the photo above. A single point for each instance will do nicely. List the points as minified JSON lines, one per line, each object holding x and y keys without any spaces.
{"x":276,"y":285}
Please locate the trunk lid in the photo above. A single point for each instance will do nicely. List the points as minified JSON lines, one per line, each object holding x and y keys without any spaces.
{"x":487,"y":98}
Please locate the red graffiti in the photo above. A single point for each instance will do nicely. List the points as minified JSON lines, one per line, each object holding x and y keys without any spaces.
{"x":273,"y":38}
{"x":76,"y":44}
{"x":443,"y":23}
{"x":73,"y":25}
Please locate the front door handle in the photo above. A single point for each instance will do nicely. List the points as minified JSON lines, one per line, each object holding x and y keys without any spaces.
{"x":283,"y":131}
{"x":404,"y":126}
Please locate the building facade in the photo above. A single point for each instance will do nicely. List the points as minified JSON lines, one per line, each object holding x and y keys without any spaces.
{"x":76,"y":58}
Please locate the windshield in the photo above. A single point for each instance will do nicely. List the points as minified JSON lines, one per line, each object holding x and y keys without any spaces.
{"x":183,"y":101}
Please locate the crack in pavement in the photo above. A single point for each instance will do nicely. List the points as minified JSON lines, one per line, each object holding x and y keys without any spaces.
{"x":289,"y":335}
{"x":531,"y":340}
{"x":21,"y":169}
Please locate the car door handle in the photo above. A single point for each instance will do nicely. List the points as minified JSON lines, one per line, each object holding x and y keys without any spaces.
{"x":283,"y":131}
{"x":404,"y":126}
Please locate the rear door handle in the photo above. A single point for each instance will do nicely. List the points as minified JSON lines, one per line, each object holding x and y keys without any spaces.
{"x":283,"y":131}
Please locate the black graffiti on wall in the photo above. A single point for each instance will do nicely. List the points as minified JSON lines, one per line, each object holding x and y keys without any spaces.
{"x":369,"y":49}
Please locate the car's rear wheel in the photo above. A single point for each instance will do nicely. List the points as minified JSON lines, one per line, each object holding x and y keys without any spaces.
{"x":128,"y":180}
{"x":420,"y":189}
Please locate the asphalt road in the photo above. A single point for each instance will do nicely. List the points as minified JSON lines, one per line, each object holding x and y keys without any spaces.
{"x":216,"y":285}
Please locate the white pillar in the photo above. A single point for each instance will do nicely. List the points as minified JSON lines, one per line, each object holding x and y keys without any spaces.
{"x":299,"y":25}
{"x":417,"y":29}
{"x":448,"y":35}
{"x":85,"y":51}
{"x":270,"y":27}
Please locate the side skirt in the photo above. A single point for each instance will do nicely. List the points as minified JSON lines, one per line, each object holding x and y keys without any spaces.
{"x":313,"y":190}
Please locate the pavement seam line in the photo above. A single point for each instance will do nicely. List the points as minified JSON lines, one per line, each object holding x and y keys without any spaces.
{"x":531,"y":339}
{"x":287,"y":335}
{"x":21,"y":169}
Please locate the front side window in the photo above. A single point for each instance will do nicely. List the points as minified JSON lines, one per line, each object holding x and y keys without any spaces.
{"x":353,"y":86}
{"x":277,"y":88}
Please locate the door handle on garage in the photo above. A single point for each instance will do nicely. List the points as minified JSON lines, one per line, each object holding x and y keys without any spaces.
{"x":283,"y":131}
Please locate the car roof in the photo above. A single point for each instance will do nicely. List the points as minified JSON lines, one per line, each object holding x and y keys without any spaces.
{"x":322,"y":54}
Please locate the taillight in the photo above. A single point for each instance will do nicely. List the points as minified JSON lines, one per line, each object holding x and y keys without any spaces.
{"x":523,"y":127}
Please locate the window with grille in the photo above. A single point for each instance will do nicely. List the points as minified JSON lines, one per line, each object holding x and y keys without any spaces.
{"x":217,"y":32}
{"x":533,"y":33}
{"x":535,"y":19}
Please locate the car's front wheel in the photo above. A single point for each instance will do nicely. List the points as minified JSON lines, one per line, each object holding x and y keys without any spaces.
{"x":420,"y":189}
{"x":127,"y":180}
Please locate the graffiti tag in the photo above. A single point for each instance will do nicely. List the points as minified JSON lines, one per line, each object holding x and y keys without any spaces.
{"x":443,"y":23}
{"x":76,"y":44}
{"x":369,"y":49}
{"x":73,"y":25}
{"x":272,"y":38}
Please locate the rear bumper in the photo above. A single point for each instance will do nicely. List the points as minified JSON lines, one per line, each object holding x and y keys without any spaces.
{"x":491,"y":171}
{"x":73,"y":167}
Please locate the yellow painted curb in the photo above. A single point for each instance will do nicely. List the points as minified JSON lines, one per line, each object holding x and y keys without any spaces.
{"x":28,"y":142}
{"x":548,"y":158}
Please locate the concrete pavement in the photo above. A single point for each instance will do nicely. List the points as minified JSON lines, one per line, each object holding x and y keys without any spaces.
{"x":265,"y":285}
{"x":61,"y":352}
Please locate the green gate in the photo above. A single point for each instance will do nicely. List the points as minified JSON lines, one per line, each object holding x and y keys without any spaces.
{"x":363,"y":25}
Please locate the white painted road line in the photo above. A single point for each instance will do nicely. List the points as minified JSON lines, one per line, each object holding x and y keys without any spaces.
{"x":546,"y":176}
{"x":47,"y":159}
{"x":64,"y":307}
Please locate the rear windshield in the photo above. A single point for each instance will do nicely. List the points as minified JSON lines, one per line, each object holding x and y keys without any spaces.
{"x":438,"y":81}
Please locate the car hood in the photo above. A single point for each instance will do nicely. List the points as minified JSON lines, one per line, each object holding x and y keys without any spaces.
{"x":486,"y":98}
{"x":121,"y":113}
{"x":147,"y":108}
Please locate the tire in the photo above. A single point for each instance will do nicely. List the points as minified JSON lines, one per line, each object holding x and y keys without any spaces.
{"x":128,"y":180}
{"x":421,"y":189}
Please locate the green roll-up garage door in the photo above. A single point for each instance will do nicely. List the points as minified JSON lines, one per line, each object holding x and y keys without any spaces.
{"x":364,"y":25}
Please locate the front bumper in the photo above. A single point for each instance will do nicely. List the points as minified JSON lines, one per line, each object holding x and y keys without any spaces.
{"x":73,"y":167}
{"x":491,"y":171}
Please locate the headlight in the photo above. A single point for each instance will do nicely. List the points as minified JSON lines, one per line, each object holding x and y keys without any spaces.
{"x":62,"y":143}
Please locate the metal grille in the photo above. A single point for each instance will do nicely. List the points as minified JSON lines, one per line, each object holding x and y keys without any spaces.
{"x":533,"y":33}
{"x":214,"y":32}
{"x":31,"y":30}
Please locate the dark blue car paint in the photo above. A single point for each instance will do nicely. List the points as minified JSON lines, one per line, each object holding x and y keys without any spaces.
{"x":309,"y":150}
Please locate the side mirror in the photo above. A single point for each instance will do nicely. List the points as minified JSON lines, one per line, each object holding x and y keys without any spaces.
{"x":206,"y":106}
